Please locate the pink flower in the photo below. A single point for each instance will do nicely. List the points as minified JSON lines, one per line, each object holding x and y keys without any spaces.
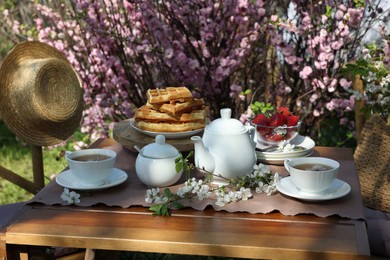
{"x":290,"y":59}
{"x":355,"y":16}
{"x":336,"y":45}
{"x":339,"y":14}
{"x":305,"y":72}
{"x":168,"y":53}
{"x":345,"y":83}
{"x":324,"y":19}
{"x":333,"y":85}
{"x":274,"y":18}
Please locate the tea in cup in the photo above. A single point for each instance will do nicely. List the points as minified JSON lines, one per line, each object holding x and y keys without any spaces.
{"x":91,"y":166}
{"x":312,"y":174}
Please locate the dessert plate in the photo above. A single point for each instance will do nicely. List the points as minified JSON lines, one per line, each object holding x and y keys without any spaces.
{"x":168,"y":135}
{"x":337,"y":190}
{"x":67,"y":180}
{"x":277,"y":157}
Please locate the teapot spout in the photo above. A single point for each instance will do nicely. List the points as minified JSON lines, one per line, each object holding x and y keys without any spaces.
{"x":203,"y":158}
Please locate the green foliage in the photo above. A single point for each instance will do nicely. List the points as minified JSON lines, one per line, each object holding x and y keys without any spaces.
{"x":182,"y":163}
{"x":7,"y":4}
{"x":16,"y":156}
{"x":331,"y":133}
{"x":164,"y":209}
{"x":373,"y":71}
{"x":261,"y":107}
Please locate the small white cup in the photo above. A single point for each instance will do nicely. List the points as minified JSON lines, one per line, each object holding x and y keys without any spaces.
{"x":91,"y":166}
{"x":309,"y":179}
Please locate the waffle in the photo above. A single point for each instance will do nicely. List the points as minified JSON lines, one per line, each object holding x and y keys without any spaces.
{"x":157,"y":96}
{"x":177,"y":108}
{"x":147,"y":113}
{"x":169,"y":127}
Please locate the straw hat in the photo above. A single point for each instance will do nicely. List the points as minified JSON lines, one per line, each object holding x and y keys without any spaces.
{"x":41,"y":97}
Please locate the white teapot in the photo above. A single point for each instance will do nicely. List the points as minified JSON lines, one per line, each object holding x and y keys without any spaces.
{"x":155,"y":165}
{"x":227,"y":147}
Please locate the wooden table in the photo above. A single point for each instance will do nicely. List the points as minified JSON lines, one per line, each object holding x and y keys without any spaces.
{"x":191,"y":232}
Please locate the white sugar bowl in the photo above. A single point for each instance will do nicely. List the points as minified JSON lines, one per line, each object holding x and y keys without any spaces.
{"x":155,"y":165}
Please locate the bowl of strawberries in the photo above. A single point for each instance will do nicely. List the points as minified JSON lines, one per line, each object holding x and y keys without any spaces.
{"x":277,"y":127}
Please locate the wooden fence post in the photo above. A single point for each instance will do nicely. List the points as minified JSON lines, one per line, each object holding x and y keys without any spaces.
{"x":37,"y":161}
{"x":360,"y":117}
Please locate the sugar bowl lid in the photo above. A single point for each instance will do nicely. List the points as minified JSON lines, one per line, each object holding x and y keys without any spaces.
{"x":159,"y":149}
{"x":226,"y":124}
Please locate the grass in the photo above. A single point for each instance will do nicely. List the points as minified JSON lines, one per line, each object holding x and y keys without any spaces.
{"x":17,"y":157}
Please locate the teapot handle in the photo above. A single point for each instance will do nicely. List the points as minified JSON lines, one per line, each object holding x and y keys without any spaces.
{"x":252,"y":135}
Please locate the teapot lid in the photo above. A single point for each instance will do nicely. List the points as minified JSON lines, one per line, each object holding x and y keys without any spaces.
{"x":226,"y":124}
{"x":159,"y":149}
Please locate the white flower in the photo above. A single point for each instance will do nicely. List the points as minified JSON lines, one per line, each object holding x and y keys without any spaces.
{"x":204,"y":192}
{"x":70,"y":196}
{"x":161,"y":200}
{"x":245,"y":193}
{"x":149,"y":200}
{"x":233,"y":196}
{"x":270,"y":190}
{"x":226,"y":198}
{"x":182,"y":191}
{"x":152,"y":195}
{"x":262,"y":178}
{"x":260,"y":170}
{"x":220,"y":202}
{"x":288,"y":147}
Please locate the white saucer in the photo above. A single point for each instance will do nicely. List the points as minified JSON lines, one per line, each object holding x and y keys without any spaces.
{"x":337,"y":190}
{"x":168,"y":135}
{"x":67,"y":180}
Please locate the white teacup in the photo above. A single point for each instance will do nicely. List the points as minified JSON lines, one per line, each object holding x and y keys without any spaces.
{"x":91,"y":166}
{"x":312,"y":174}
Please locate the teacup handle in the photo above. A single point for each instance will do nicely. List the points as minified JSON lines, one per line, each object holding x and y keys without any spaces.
{"x":286,"y":162}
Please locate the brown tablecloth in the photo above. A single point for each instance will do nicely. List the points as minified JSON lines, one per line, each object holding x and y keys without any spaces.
{"x":132,"y":192}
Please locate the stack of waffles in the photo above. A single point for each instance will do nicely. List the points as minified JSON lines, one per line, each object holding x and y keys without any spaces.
{"x":172,"y":109}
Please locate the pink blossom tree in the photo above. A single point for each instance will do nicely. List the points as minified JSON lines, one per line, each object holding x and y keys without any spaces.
{"x":228,"y":52}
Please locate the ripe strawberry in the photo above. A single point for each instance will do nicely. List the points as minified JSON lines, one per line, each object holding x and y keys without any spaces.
{"x":261,"y":119}
{"x":277,"y":120}
{"x":276,"y":137}
{"x":292,"y":120}
{"x":284,"y":111}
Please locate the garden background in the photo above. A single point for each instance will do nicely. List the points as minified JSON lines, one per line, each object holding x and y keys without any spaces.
{"x":233,"y":53}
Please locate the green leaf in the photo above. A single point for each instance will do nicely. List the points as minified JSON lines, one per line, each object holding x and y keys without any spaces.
{"x":168,"y":193}
{"x":177,"y":205}
{"x":189,"y":155}
{"x":156,"y":209}
{"x":160,"y":210}
{"x":329,"y":11}
{"x":179,"y":166}
{"x":179,"y":158}
{"x":165,"y":211}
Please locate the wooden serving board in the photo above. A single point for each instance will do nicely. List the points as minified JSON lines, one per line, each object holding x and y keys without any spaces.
{"x":126,"y":135}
